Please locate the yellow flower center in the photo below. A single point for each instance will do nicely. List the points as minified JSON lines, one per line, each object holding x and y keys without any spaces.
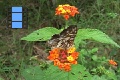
{"x":71,"y":50}
{"x":70,"y":58}
{"x":66,"y":5}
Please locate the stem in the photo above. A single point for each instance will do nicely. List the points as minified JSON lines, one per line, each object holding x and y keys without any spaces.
{"x":68,"y":75}
{"x":66,"y":24}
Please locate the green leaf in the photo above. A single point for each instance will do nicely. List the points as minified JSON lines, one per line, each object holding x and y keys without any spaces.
{"x":54,"y":73}
{"x":94,"y":50}
{"x":96,"y":77}
{"x":41,"y":34}
{"x":33,"y":73}
{"x":111,"y":74}
{"x":1,"y":78}
{"x":99,"y":2}
{"x":79,"y":72}
{"x":94,"y":57}
{"x":93,"y":34}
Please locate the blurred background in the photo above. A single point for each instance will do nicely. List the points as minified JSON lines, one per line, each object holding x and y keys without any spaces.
{"x":97,"y":14}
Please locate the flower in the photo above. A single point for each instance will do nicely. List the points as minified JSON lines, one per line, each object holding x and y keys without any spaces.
{"x":67,"y":67}
{"x":75,"y":55}
{"x":70,"y":58}
{"x":71,"y":50}
{"x":63,"y":58}
{"x":53,"y":54}
{"x":66,"y":11}
{"x":112,"y":62}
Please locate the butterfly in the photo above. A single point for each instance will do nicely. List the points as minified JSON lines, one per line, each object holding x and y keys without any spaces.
{"x":65,"y":39}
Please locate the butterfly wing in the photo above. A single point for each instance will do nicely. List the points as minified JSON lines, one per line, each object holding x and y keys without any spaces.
{"x":65,"y":39}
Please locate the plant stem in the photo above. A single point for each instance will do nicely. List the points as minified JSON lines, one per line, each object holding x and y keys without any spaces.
{"x":68,"y":75}
{"x":66,"y":24}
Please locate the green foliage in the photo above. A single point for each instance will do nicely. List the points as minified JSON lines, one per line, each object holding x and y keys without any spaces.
{"x":93,"y":34}
{"x":1,"y":78}
{"x":53,"y":73}
{"x":82,"y":34}
{"x":90,"y":59}
{"x":100,"y":14}
{"x":112,"y":15}
{"x":78,"y":72}
{"x":96,"y":77}
{"x":41,"y":34}
{"x":96,"y":65}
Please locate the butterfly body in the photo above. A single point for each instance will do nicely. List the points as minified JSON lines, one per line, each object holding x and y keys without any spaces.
{"x":65,"y":39}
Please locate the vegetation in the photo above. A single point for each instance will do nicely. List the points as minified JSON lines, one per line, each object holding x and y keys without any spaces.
{"x":97,"y":61}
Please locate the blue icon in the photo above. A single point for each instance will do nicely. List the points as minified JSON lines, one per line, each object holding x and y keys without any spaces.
{"x":17,"y":17}
{"x":16,"y":24}
{"x":16,"y":9}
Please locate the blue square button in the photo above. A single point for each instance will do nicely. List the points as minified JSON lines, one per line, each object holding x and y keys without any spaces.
{"x":16,"y":16}
{"x":16,"y":24}
{"x":16,"y":9}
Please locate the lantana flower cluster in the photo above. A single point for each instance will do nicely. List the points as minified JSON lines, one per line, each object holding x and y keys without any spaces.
{"x":112,"y":62}
{"x":66,"y":11}
{"x":63,"y":58}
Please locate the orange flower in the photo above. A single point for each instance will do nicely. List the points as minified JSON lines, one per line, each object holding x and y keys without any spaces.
{"x":63,"y":58}
{"x":75,"y":55}
{"x":67,"y":67}
{"x":61,"y":66}
{"x":53,"y":54}
{"x":66,"y":11}
{"x":66,"y":17}
{"x":56,"y":62}
{"x":74,"y":62}
{"x":112,"y":62}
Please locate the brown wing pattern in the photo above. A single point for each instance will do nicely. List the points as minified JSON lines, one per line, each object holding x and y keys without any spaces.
{"x":65,"y":39}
